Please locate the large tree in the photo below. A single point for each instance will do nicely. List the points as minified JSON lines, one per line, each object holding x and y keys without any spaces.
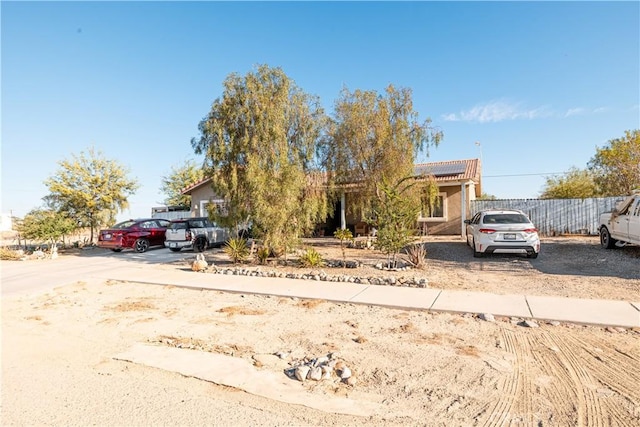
{"x":180,"y":177}
{"x":574,"y":184}
{"x":375,"y":138}
{"x":90,"y":188}
{"x":260,"y":141}
{"x":616,"y":166}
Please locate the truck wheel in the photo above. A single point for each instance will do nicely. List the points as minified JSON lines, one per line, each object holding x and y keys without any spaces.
{"x":200,"y":245}
{"x":606,"y":241}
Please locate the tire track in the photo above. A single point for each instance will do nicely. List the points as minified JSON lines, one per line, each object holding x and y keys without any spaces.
{"x":558,"y":379}
{"x":559,"y":391}
{"x":512,"y":385}
{"x":590,"y":412}
{"x":616,"y":372}
{"x":612,"y":368}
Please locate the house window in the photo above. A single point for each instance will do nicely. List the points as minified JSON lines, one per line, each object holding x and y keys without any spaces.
{"x":219,"y":205}
{"x":437,"y":212}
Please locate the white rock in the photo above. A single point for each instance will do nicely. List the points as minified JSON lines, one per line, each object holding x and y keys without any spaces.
{"x":326,"y":372}
{"x":345,"y":373}
{"x":315,"y":373}
{"x":487,"y":317}
{"x":321,"y":360}
{"x":301,"y":372}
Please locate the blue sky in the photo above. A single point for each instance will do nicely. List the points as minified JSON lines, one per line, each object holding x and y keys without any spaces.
{"x":537,"y":84}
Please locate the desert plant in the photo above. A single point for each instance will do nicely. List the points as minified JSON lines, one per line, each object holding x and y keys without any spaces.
{"x":396,"y":210}
{"x":262,"y":254}
{"x":7,"y":254}
{"x":344,"y":234}
{"x":311,"y":258}
{"x":416,"y":255}
{"x":236,"y":248}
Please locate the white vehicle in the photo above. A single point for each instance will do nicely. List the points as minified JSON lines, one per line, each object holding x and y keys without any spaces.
{"x":622,"y":226}
{"x":497,"y":230}
{"x":194,"y":233}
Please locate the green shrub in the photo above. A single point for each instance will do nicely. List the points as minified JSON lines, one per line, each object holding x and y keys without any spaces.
{"x":344,"y":234}
{"x":311,"y":258}
{"x":236,"y":248}
{"x":262,"y":254}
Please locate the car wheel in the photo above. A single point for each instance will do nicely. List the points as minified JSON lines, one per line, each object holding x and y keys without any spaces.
{"x":116,"y":250}
{"x":606,"y":241}
{"x":175,"y":249}
{"x":532,"y":255}
{"x":200,"y":245}
{"x":141,"y":245}
{"x":476,"y":254}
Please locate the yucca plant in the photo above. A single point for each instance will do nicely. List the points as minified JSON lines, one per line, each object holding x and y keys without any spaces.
{"x":416,"y":255}
{"x":262,"y":254}
{"x":311,"y":258}
{"x":236,"y":248}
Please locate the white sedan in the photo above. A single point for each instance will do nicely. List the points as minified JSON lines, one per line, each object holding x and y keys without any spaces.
{"x":496,"y":230}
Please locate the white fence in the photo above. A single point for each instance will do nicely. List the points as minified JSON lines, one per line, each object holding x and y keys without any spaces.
{"x":556,"y":216}
{"x":170,"y":212}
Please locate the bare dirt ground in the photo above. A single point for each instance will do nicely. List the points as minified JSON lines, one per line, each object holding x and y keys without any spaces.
{"x":58,"y":349}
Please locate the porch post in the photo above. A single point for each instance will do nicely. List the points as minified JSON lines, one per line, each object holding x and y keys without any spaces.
{"x":463,"y":209}
{"x":343,"y":218}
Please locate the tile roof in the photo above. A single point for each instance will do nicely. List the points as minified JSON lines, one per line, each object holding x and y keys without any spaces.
{"x":447,"y":171}
{"x":452,"y":170}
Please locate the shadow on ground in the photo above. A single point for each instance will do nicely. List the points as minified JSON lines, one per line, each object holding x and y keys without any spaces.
{"x":563,"y":256}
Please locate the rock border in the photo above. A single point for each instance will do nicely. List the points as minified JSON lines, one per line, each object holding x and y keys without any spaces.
{"x":415,"y":282}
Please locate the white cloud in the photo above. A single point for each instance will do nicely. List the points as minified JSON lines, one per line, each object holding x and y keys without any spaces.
{"x":496,"y":111}
{"x":574,"y":112}
{"x":502,"y":110}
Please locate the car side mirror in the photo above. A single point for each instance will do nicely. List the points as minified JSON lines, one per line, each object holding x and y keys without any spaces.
{"x":467,"y":221}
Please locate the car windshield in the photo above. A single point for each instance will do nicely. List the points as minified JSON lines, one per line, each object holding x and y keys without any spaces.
{"x":125,"y":224}
{"x":178,"y":226}
{"x":505,"y":218}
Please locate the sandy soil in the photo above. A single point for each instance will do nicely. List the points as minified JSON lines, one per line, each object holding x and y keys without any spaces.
{"x":58,"y":349}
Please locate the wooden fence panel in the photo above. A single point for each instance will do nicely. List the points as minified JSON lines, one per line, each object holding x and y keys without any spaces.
{"x":556,"y":216}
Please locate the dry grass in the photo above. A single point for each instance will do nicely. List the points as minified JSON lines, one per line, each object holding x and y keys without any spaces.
{"x":311,"y":303}
{"x":235,"y":309}
{"x":468,"y":350}
{"x":132,"y":306}
{"x":202,"y":345}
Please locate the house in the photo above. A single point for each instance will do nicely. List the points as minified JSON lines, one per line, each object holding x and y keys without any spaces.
{"x":201,"y":195}
{"x":459,"y":182}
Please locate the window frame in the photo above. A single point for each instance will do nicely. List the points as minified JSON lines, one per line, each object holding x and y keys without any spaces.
{"x":445,"y":213}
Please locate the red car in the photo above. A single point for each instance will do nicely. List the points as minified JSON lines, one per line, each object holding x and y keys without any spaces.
{"x":137,"y":234}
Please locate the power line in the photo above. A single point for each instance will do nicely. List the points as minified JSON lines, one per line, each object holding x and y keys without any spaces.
{"x":524,"y":174}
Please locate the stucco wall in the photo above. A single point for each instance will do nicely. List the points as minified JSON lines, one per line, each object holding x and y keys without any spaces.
{"x":452,"y":225}
{"x":203,"y":193}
